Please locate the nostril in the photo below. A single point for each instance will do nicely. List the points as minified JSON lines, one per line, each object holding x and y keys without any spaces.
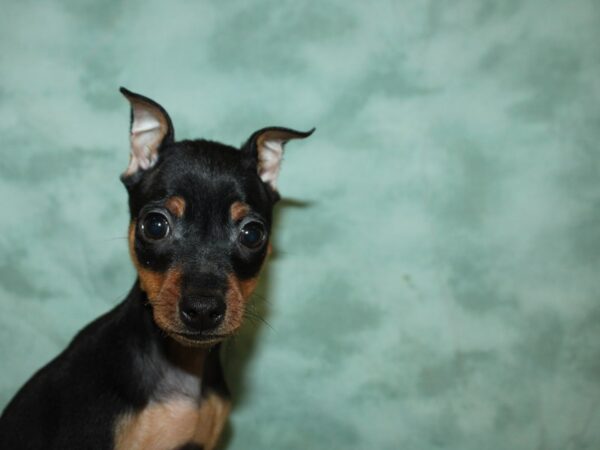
{"x":190,"y":313}
{"x":202,"y":313}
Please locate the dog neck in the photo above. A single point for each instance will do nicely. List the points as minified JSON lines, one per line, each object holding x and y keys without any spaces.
{"x":163,"y":366}
{"x":188,"y":359}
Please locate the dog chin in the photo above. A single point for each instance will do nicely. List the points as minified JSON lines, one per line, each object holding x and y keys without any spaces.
{"x":197,"y":339}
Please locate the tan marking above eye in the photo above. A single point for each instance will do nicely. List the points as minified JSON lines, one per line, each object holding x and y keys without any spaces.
{"x":175,"y":205}
{"x":238,"y":211}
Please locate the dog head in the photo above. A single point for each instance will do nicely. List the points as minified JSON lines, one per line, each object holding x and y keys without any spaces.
{"x":201,"y":217}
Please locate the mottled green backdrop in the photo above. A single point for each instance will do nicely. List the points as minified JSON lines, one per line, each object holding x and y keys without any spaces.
{"x":436,"y":278}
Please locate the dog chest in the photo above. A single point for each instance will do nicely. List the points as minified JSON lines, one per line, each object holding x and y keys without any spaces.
{"x":173,"y":423}
{"x":177,"y":414}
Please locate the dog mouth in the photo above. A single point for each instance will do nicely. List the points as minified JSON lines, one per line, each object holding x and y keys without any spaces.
{"x":200,"y":337}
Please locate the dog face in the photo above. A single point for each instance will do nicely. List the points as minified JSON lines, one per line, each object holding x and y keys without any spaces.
{"x":200,"y":221}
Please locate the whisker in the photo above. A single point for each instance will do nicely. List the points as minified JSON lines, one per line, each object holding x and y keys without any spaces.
{"x":262,"y":298}
{"x":253,"y":316}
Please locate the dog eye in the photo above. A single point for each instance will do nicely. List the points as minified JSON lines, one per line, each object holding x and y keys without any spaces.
{"x":252,"y":234}
{"x":155,"y":226}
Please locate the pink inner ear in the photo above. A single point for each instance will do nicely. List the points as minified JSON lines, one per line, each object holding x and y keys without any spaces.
{"x":269,"y":146}
{"x":148,"y":130}
{"x":270,"y":153}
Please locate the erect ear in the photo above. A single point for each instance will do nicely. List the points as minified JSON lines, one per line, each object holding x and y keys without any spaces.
{"x":151,"y":127}
{"x":265,"y":147}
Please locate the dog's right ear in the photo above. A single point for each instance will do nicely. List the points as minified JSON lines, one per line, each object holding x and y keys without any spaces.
{"x":150,"y":129}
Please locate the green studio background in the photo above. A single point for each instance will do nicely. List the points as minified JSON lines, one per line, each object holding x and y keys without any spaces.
{"x":435,"y":281}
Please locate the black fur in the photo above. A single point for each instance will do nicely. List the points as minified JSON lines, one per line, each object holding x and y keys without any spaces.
{"x":113,"y":365}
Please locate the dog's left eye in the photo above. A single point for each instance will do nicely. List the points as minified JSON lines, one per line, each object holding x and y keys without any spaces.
{"x":253,"y":234}
{"x":155,"y":226}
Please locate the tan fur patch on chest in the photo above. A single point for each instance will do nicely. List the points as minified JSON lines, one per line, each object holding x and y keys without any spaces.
{"x":172,"y":423}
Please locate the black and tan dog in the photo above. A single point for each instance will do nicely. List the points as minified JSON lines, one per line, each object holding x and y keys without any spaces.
{"x":147,"y":374}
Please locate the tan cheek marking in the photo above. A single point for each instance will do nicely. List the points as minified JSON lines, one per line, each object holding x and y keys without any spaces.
{"x":247,"y":287}
{"x":238,"y":293}
{"x":238,"y":211}
{"x":165,"y":305}
{"x":176,"y":205}
{"x":162,"y":288}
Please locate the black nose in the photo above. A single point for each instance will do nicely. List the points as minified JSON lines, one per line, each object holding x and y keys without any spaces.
{"x":201,"y":313}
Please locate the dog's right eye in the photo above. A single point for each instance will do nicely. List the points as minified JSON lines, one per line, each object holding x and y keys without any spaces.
{"x":155,"y":226}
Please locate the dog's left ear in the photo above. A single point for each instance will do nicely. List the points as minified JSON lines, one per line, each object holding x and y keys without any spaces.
{"x":151,"y":128}
{"x":265,"y":148}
